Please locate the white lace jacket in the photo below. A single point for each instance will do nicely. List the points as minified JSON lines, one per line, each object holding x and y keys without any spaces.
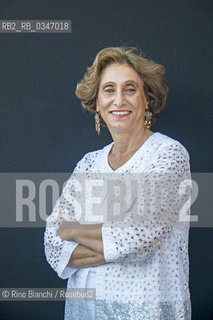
{"x":146,"y":276}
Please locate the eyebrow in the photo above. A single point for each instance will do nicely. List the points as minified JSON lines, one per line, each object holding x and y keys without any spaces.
{"x":126,"y":82}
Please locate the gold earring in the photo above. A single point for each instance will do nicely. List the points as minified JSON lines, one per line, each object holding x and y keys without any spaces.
{"x":148,"y":119}
{"x":97,"y":123}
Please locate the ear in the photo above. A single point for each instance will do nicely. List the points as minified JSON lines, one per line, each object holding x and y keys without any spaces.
{"x":97,"y":107}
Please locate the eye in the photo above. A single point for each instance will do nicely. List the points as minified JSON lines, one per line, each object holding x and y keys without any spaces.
{"x":109,"y":90}
{"x":130,"y":90}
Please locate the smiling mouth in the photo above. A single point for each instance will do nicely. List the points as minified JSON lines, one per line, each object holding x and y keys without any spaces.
{"x":120,"y":113}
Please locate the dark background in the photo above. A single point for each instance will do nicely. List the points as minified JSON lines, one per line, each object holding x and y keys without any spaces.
{"x":43,"y":128}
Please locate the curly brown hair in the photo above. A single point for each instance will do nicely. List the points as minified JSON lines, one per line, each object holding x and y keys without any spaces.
{"x":150,"y":73}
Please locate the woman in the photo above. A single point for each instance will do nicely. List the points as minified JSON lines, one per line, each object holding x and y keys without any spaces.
{"x":136,"y":260}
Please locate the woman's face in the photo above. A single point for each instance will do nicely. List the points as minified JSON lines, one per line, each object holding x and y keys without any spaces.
{"x":121,"y":100}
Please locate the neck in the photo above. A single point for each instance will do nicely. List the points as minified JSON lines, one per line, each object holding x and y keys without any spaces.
{"x":126,"y":142}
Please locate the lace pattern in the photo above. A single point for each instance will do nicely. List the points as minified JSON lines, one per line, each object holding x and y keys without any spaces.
{"x":146,"y":276}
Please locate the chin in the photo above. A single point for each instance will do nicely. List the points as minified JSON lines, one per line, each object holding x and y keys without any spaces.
{"x":120,"y":128}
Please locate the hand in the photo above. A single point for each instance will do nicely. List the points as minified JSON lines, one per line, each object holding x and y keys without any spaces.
{"x":67,"y":230}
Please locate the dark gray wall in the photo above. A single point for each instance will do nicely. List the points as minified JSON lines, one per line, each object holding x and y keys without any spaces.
{"x":43,"y":129}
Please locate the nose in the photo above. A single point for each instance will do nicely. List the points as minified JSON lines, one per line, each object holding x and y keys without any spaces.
{"x":118,"y":98}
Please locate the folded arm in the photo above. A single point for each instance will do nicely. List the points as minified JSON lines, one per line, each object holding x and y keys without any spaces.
{"x":87,"y":235}
{"x":66,"y":256}
{"x":85,"y":257}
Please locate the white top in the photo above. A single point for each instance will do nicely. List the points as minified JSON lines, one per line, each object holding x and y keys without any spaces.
{"x":146,"y":276}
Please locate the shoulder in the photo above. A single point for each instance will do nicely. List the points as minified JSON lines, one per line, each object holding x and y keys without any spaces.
{"x":169,"y":154}
{"x":170,"y":146}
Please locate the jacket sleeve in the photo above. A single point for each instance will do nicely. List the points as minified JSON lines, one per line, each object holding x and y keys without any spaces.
{"x":159,"y":204}
{"x":57,"y":250}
